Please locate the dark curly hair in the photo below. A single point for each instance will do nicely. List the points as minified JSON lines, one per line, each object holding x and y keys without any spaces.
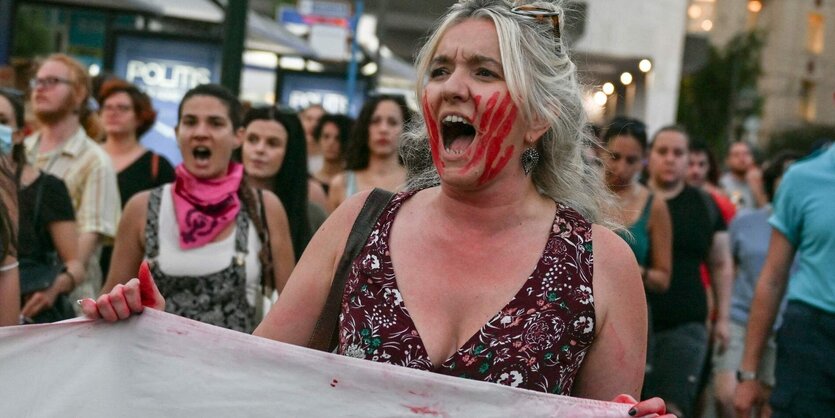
{"x":344,"y":124}
{"x":358,"y":152}
{"x":142,"y":107}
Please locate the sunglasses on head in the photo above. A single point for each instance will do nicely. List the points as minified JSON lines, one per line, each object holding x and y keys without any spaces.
{"x":541,"y":15}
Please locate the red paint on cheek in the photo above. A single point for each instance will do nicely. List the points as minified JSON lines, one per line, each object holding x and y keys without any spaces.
{"x":146,"y":286}
{"x":434,"y":136}
{"x":476,"y":101}
{"x":500,"y":164}
{"x":494,"y":126}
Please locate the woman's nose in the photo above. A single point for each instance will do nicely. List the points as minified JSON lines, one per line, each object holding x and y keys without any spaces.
{"x":455,"y":87}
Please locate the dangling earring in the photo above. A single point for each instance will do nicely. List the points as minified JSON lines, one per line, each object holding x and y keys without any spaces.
{"x":530,"y":158}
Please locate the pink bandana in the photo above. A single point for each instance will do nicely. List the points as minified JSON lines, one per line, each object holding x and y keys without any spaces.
{"x":205,"y":207}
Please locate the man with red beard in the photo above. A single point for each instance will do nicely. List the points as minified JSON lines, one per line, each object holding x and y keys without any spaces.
{"x":60,"y":91}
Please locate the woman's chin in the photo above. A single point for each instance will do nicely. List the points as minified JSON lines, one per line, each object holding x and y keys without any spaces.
{"x":204,"y":169}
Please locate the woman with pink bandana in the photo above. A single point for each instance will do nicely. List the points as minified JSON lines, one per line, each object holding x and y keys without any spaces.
{"x":213,"y":244}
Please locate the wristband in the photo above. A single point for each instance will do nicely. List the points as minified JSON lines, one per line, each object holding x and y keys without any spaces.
{"x":743,"y":375}
{"x":65,"y":270}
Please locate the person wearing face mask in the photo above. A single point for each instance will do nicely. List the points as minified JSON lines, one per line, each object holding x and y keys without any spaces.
{"x":492,"y":239}
{"x":371,"y":157}
{"x":9,"y":273}
{"x":126,"y":114}
{"x":60,"y":91}
{"x":47,"y":232}
{"x":213,"y":244}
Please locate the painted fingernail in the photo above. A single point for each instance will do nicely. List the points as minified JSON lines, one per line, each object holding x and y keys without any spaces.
{"x":632,"y":412}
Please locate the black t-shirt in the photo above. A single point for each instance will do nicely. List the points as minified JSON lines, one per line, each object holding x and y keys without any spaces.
{"x":139,"y":176}
{"x":34,"y":240}
{"x":694,"y":224}
{"x":135,"y":178}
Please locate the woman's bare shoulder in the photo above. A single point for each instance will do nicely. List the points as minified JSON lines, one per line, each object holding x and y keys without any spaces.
{"x":616,"y":271}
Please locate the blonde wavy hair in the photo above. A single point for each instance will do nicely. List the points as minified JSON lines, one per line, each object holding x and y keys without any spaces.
{"x":542,"y":81}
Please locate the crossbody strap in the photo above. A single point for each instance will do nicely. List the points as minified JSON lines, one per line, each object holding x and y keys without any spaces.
{"x":267,"y":280}
{"x":325,"y":335}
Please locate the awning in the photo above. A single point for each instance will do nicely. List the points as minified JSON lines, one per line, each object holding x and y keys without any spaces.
{"x":149,"y":7}
{"x":263,"y":34}
{"x":395,"y":67}
{"x":267,"y":35}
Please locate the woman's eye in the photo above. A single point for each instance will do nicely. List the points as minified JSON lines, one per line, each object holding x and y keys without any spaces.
{"x":437,"y":72}
{"x":483,"y":72}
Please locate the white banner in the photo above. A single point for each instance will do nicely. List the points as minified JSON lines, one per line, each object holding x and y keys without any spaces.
{"x":158,"y":364}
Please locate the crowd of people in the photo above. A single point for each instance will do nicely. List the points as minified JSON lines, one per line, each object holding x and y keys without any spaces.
{"x":532,"y":251}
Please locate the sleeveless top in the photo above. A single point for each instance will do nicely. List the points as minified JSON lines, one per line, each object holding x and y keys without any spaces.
{"x":537,"y":341}
{"x":639,"y":242}
{"x":218,"y":298}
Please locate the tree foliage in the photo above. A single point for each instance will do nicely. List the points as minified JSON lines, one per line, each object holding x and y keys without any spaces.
{"x":802,"y":139}
{"x":714,"y":99}
{"x":32,"y":35}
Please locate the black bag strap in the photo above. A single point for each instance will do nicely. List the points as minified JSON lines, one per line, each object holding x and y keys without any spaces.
{"x":36,"y":213}
{"x":325,"y":336}
{"x":266,"y":281}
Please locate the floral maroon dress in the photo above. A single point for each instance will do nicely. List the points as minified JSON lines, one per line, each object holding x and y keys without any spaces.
{"x":537,"y":341}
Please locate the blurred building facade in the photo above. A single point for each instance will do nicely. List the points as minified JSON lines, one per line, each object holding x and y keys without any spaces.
{"x":798,"y":57}
{"x":629,"y":54}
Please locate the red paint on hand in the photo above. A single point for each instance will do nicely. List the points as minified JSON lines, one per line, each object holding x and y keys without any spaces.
{"x":147,"y":288}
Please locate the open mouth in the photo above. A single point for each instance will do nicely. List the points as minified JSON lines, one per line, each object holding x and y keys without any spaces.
{"x":201,"y":153}
{"x":457,"y":134}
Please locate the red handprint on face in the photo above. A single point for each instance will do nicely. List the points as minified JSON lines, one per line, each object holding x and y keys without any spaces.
{"x":493,"y":127}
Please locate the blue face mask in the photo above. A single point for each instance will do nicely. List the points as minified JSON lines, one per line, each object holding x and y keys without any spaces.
{"x":5,"y":139}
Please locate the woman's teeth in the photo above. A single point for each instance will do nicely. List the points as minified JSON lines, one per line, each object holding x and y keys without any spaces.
{"x":455,"y":119}
{"x":457,"y":134}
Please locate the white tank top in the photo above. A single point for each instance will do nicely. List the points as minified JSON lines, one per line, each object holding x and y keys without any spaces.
{"x":210,"y":258}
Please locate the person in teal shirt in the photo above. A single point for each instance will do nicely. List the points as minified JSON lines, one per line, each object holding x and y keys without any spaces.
{"x":803,"y":222}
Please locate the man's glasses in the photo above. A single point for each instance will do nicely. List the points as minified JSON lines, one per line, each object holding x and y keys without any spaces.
{"x":47,"y":82}
{"x":540,"y":15}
